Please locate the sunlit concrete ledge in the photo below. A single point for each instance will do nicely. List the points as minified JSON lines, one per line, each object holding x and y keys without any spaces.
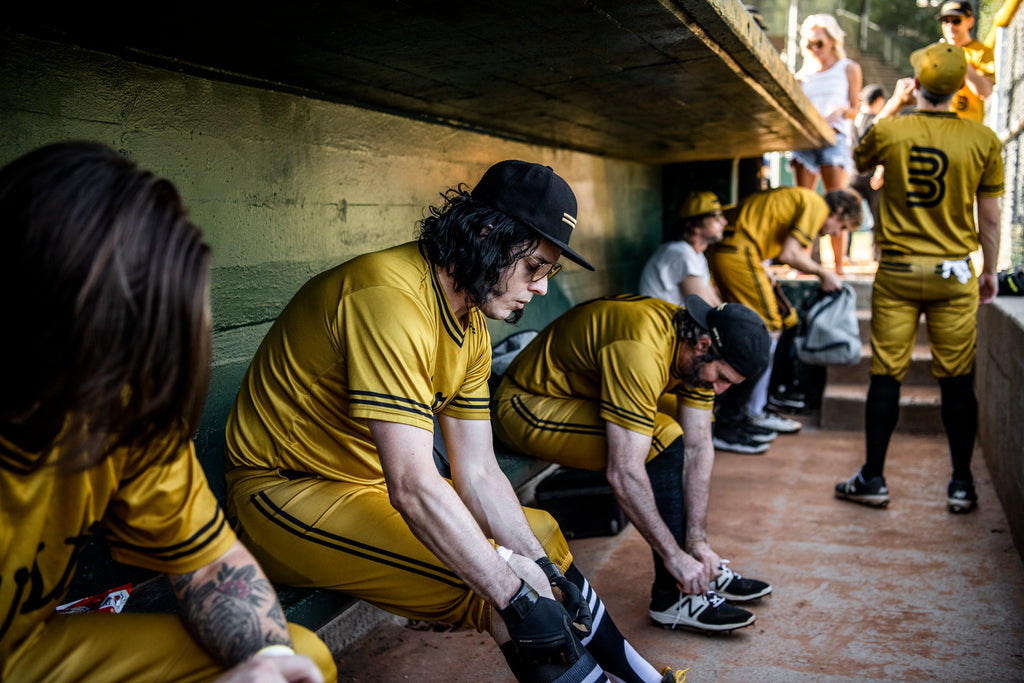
{"x":1000,"y":389}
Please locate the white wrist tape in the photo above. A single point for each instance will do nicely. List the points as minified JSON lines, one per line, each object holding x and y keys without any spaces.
{"x":276,"y":651}
{"x":504,"y":553}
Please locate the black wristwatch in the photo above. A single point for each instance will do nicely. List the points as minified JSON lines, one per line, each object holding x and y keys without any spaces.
{"x":521,"y":604}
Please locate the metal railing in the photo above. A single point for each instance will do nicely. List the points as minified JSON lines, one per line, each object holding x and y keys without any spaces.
{"x":872,"y":39}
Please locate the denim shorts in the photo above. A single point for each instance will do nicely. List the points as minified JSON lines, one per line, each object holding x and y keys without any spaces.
{"x":836,"y":155}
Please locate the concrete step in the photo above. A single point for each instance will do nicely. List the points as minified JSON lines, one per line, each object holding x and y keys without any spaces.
{"x":919,"y":373}
{"x":862,"y":288}
{"x":842,"y":408}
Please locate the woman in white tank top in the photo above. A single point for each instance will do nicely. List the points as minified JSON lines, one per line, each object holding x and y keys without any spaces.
{"x":832,"y":83}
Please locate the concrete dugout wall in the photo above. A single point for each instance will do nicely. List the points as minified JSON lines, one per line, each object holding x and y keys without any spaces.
{"x":285,"y":186}
{"x":999,"y":380}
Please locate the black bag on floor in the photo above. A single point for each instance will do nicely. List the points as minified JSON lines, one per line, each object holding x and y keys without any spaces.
{"x":582,"y":502}
{"x":1011,"y":281}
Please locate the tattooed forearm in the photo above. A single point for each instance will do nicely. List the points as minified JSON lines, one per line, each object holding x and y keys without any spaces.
{"x":231,"y":608}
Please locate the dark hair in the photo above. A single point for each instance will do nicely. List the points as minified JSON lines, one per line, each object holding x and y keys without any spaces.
{"x":871,"y":93}
{"x":689,"y":331}
{"x":846,"y":203}
{"x":108,"y":341}
{"x":686,"y":227}
{"x":475,"y":244}
{"x":932,"y":98}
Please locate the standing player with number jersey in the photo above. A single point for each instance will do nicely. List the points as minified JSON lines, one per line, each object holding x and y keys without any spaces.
{"x":329,"y":447}
{"x":585,"y":393}
{"x":103,"y":375}
{"x":936,"y":165}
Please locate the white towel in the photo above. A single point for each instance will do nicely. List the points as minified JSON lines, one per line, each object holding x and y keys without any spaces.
{"x":959,"y":268}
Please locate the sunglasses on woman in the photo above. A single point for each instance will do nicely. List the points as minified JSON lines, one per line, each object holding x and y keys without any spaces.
{"x":815,"y":44}
{"x":951,"y":20}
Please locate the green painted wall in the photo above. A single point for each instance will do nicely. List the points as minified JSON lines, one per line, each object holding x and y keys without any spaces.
{"x":285,"y":186}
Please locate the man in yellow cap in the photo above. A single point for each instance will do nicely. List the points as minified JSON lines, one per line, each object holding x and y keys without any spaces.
{"x":957,"y":20}
{"x":936,"y":164}
{"x":678,"y":267}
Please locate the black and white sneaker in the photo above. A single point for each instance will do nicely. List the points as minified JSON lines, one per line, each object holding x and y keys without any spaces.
{"x":735,"y":588}
{"x":758,"y":433}
{"x":788,"y":400}
{"x":769,"y":419}
{"x":737,"y":440}
{"x":709,"y":613}
{"x":873,"y":492}
{"x":961,"y":496}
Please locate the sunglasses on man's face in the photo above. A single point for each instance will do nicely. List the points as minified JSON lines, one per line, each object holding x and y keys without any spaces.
{"x":537,"y":268}
{"x":815,"y":44}
{"x":951,"y":20}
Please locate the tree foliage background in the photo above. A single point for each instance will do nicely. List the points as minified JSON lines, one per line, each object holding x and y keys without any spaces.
{"x":912,"y":20}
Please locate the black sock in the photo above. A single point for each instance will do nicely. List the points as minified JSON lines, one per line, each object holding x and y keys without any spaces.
{"x":960,"y":418}
{"x":607,"y":644}
{"x":880,"y":416}
{"x":665,"y":472}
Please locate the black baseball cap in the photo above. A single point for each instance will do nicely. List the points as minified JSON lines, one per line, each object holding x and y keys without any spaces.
{"x":736,"y":332}
{"x":535,"y":195}
{"x":956,"y":8}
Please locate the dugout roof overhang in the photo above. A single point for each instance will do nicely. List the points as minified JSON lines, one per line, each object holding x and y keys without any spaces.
{"x":653,"y":81}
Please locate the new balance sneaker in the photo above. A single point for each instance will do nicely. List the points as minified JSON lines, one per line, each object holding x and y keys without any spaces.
{"x":735,"y":588}
{"x":709,"y":613}
{"x":769,"y":419}
{"x":872,"y":492}
{"x":760,"y":434}
{"x":737,"y":440}
{"x":669,"y":675}
{"x":960,"y":496}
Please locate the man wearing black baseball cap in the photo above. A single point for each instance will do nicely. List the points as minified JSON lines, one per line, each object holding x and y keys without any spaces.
{"x":957,"y":19}
{"x":329,"y":446}
{"x":625,"y":385}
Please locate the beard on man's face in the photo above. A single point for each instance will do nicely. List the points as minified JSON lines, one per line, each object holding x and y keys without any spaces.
{"x":692,"y":376}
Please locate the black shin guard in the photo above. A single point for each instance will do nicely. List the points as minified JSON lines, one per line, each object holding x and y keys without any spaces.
{"x":880,"y":416}
{"x":584,"y":668}
{"x":606,"y":643}
{"x":960,"y":418}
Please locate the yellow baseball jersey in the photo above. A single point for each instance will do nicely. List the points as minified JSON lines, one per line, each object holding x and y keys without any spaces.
{"x":621,"y":351}
{"x":965,"y":103}
{"x":935,"y":164}
{"x":154,"y":507}
{"x":766,"y":219}
{"x":373,"y":338}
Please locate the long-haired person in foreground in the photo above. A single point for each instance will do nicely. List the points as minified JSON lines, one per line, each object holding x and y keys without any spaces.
{"x":103,"y":373}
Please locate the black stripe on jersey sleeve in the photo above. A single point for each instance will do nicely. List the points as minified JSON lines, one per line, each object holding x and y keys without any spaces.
{"x":695,"y":394}
{"x":373,"y":399}
{"x":551,"y":426}
{"x":628,"y":415}
{"x":190,"y":546}
{"x":311,"y":534}
{"x":18,"y":464}
{"x":471,"y":403}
